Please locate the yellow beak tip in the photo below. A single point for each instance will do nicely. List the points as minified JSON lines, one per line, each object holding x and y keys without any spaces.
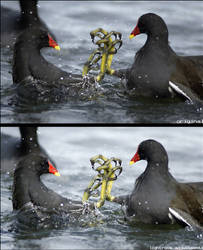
{"x":57,"y":47}
{"x":131,"y":36}
{"x":57,"y":174}
{"x":131,"y":162}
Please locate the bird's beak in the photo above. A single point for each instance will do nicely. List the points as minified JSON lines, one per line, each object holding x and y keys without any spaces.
{"x":57,"y":47}
{"x":135,"y":32}
{"x":53,"y":170}
{"x":53,"y":43}
{"x":131,"y":36}
{"x":135,"y":158}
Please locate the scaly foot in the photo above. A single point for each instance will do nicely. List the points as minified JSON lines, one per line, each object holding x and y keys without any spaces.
{"x":105,"y":177}
{"x":108,"y":44}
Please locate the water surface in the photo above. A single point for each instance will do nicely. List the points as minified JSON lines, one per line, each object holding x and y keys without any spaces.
{"x":71,"y":148}
{"x":71,"y":22}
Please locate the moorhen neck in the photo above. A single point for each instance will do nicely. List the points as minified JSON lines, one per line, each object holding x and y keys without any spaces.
{"x":157,"y":70}
{"x":28,"y":188}
{"x":12,"y":23}
{"x":157,"y":197}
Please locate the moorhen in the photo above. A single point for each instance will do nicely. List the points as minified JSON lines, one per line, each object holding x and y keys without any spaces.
{"x":157,"y":70}
{"x":14,"y":149}
{"x":36,"y":77}
{"x":157,"y":198}
{"x":12,"y":23}
{"x":28,"y":190}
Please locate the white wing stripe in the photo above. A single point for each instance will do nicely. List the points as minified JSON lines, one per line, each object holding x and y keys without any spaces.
{"x":178,"y":216}
{"x":178,"y":90}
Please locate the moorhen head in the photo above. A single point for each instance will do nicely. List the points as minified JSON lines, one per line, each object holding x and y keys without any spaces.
{"x":151,"y":151}
{"x":39,"y":38}
{"x":35,"y":38}
{"x":158,"y":71}
{"x":28,"y":188}
{"x":157,"y":198}
{"x":28,"y":60}
{"x":152,"y":25}
{"x":27,"y":176}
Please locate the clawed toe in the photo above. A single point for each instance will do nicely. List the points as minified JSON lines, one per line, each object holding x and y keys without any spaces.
{"x":108,"y":171}
{"x":108,"y":44}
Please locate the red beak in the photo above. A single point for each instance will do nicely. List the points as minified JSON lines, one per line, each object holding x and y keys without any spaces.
{"x":53,"y":43}
{"x":135,"y":32}
{"x":135,"y":158}
{"x":52,"y":169}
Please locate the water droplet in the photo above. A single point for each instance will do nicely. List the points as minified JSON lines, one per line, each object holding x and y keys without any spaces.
{"x":200,"y":236}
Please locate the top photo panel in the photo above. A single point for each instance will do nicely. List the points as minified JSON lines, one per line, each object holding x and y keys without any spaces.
{"x":102,"y":62}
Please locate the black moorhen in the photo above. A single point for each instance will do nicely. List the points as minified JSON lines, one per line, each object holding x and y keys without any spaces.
{"x":12,"y":23}
{"x":28,"y":190}
{"x":157,"y":197}
{"x":14,"y":149}
{"x":157,"y":70}
{"x":37,"y":77}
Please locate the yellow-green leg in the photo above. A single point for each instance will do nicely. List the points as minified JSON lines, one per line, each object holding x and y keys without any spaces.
{"x":91,"y":61}
{"x":106,"y":175}
{"x":106,"y":51}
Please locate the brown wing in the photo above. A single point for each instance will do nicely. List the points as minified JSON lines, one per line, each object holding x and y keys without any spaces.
{"x":189,"y":199}
{"x":189,"y":72}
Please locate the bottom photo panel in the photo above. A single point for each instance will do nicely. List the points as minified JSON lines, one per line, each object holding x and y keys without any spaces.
{"x":101,"y":187}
